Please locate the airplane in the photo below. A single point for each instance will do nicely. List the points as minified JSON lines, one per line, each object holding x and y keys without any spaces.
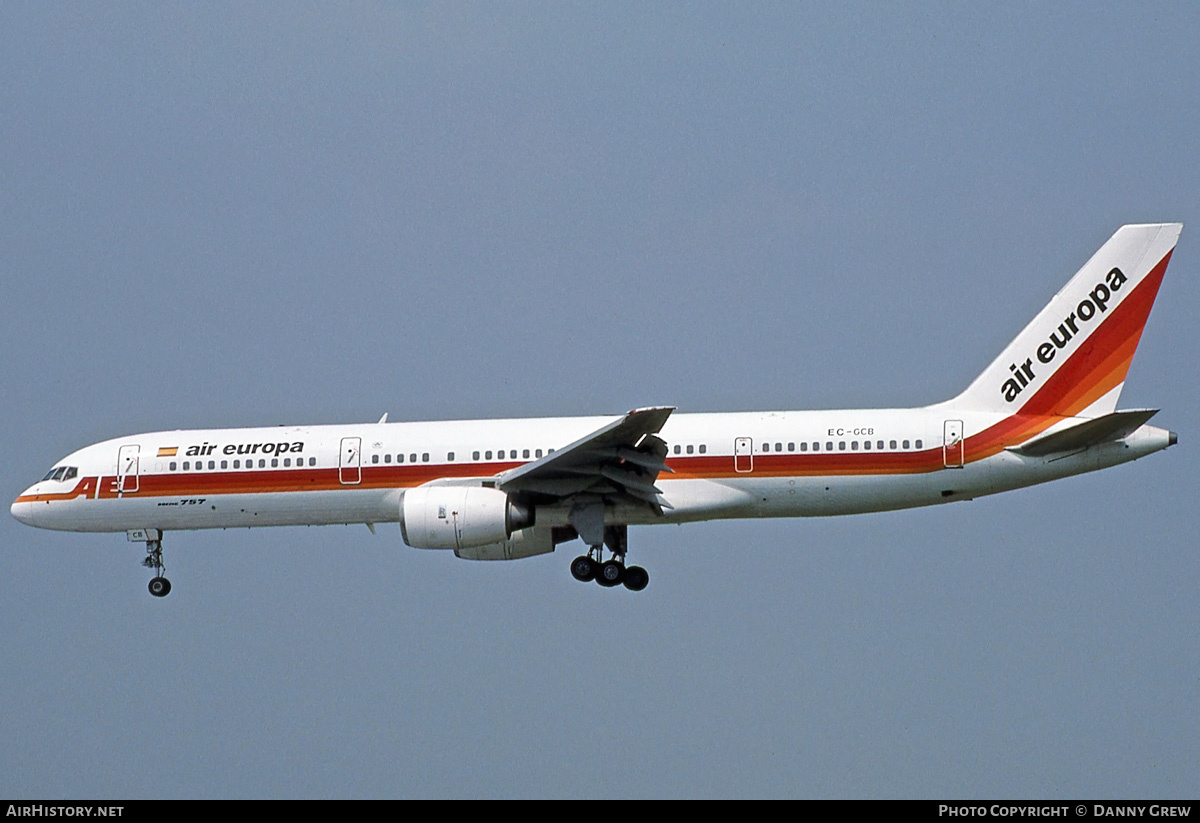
{"x":1045,"y":408}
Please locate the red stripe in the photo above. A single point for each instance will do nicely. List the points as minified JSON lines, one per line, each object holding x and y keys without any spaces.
{"x":1102,"y":362}
{"x":1099,"y":365}
{"x":1094,"y":369}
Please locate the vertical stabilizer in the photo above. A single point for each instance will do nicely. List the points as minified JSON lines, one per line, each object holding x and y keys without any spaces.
{"x":1071,"y":360}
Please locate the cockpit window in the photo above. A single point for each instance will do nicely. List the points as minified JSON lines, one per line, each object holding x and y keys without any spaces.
{"x":59,"y":472}
{"x":72,"y":473}
{"x":50,"y":474}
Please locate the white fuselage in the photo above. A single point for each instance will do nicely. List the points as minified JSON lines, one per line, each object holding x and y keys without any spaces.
{"x":753,"y":464}
{"x":1045,"y":408}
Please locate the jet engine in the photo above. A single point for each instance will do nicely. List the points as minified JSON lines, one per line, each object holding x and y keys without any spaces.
{"x":523,"y":543}
{"x":459,"y":517}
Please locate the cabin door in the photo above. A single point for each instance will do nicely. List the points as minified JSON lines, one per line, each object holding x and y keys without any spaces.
{"x":743,"y":455}
{"x":952,"y":444}
{"x":350,"y":461}
{"x":127,"y":469}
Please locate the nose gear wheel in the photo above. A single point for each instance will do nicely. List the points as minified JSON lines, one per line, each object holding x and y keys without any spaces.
{"x":159,"y":585}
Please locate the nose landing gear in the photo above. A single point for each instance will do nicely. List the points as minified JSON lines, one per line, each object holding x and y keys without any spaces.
{"x":159,"y":585}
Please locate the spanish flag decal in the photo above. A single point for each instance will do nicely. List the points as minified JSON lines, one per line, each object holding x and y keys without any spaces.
{"x":167,"y":451}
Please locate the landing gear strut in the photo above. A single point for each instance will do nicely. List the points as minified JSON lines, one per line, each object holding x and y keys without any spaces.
{"x":612,"y":572}
{"x":159,"y":585}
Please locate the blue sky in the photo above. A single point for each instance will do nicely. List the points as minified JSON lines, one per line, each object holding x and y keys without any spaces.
{"x":250,"y":214}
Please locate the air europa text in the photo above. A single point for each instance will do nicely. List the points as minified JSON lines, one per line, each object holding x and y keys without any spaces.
{"x":1095,"y":303}
{"x":246,"y":448}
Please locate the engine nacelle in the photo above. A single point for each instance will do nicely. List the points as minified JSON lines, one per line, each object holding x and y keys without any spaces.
{"x":523,"y":543}
{"x":459,"y":517}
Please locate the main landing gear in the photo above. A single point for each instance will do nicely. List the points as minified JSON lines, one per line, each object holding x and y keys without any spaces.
{"x":612,"y":572}
{"x":159,"y":585}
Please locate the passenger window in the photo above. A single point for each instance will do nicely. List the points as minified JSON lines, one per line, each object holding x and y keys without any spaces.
{"x":816,"y":447}
{"x":474,"y":455}
{"x":918,"y":444}
{"x":703,"y":448}
{"x":766,"y":447}
{"x":425,"y":457}
{"x":374,"y":458}
{"x":412,"y":458}
{"x":853,"y":445}
{"x":791,"y":447}
{"x":538,"y":453}
{"x":488,"y":454}
{"x":450,"y":457}
{"x":841,"y":445}
{"x":399,"y":458}
{"x":274,"y":462}
{"x":689,"y":449}
{"x":892,"y":444}
{"x":262,"y":464}
{"x":172,"y":465}
{"x":804,"y":447}
{"x":866,"y":444}
{"x":778,"y":447}
{"x":312,"y":461}
{"x":224,"y":464}
{"x":525,"y":453}
{"x":905,"y":444}
{"x":185,"y":465}
{"x":678,"y":449}
{"x":287,"y":462}
{"x":387,"y":458}
{"x":879,"y":444}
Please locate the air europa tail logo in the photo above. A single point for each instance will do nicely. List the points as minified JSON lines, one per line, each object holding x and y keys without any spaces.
{"x":1096,"y":303}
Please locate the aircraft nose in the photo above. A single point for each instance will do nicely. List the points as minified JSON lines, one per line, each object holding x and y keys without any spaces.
{"x":23,"y":510}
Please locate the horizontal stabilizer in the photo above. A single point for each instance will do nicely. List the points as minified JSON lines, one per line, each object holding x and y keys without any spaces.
{"x":1113,"y":426}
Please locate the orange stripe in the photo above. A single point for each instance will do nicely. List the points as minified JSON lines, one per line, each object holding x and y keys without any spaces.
{"x":1104,"y":358}
{"x":1094,"y":369}
{"x":83,"y":488}
{"x":1097,"y":367}
{"x":376,"y":478}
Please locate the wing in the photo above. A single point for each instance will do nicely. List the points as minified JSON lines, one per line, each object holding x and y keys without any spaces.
{"x":618,"y":462}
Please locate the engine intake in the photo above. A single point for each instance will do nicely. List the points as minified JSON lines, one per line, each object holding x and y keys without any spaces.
{"x":459,"y":517}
